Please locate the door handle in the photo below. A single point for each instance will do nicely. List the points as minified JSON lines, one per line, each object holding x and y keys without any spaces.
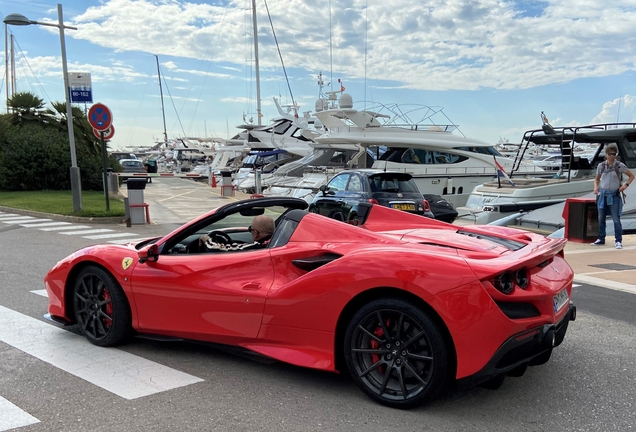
{"x":252,"y":286}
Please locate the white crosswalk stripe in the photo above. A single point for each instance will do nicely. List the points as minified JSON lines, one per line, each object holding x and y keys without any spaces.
{"x":67,"y":227}
{"x":44,"y":224}
{"x":12,"y":417}
{"x":126,"y":375}
{"x":20,"y":219}
{"x":19,"y":222}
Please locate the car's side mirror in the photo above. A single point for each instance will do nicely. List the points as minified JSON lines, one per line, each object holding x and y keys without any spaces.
{"x":325,"y":190}
{"x":149,"y":253}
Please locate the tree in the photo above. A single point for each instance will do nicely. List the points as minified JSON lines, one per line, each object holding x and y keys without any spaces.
{"x":35,"y":151}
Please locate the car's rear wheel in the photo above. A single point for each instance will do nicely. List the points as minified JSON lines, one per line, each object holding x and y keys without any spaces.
{"x":101,"y":308}
{"x":396,"y":353}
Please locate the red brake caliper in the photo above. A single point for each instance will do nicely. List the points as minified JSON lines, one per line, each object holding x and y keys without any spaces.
{"x":375,"y":345}
{"x":109,"y":307}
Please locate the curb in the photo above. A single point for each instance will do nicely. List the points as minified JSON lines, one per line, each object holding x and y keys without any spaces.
{"x":101,"y":220}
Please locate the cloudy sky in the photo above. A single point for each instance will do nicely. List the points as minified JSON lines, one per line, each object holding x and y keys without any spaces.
{"x":493,"y":65}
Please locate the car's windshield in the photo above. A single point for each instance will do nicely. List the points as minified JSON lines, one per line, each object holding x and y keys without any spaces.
{"x":131,"y":163}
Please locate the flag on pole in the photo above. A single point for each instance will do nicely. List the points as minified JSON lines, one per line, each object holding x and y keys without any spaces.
{"x":502,"y":173}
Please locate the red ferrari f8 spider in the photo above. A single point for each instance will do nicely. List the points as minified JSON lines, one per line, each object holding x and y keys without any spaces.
{"x":406,"y":304}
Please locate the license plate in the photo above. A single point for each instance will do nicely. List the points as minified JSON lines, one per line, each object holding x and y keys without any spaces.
{"x":560,"y":300}
{"x":406,"y":207}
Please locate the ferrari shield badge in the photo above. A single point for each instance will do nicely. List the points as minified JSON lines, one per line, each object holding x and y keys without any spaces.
{"x":126,"y":262}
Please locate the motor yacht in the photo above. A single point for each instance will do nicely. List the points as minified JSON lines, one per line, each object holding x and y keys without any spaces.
{"x":497,"y":199}
{"x":441,"y":160}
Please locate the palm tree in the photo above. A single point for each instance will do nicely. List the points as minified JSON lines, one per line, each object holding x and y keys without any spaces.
{"x":26,"y":107}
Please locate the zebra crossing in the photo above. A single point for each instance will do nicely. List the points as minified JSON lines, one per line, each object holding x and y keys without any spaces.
{"x":118,"y":372}
{"x":68,"y":228}
{"x":70,"y":352}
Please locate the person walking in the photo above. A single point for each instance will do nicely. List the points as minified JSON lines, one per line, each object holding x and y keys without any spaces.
{"x":609,"y":190}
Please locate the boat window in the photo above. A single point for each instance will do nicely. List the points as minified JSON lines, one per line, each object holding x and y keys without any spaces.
{"x":629,"y":158}
{"x":338,"y":183}
{"x":393,"y":154}
{"x":281,"y":128}
{"x":339,"y":158}
{"x":483,"y":150}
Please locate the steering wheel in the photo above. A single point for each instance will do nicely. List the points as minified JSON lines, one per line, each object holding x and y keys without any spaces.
{"x":220,"y":237}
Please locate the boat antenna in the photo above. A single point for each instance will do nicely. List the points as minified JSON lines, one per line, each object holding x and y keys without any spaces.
{"x":330,"y":46}
{"x":163,"y":110}
{"x":281,"y":62}
{"x":366,"y":35}
{"x":620,"y":99}
{"x":256,"y":66}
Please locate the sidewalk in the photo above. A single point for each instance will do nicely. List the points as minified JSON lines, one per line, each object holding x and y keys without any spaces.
{"x":604,"y":266}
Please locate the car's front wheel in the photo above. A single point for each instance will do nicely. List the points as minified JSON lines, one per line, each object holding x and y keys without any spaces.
{"x":396,"y":353}
{"x":101,"y":308}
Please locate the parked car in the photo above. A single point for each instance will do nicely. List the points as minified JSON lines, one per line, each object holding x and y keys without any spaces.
{"x":132,"y":166}
{"x":406,"y":308}
{"x":341,"y":197}
{"x":442,"y":209}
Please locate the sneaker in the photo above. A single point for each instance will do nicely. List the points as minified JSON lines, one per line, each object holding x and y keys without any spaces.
{"x":598,"y":243}
{"x":619,"y":245}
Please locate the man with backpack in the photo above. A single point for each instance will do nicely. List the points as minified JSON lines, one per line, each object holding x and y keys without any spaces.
{"x":609,"y":189}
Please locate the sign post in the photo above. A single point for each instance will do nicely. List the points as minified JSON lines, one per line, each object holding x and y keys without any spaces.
{"x":100,"y":117}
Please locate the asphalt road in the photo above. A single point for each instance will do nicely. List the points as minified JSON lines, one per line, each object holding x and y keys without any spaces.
{"x":588,"y":385}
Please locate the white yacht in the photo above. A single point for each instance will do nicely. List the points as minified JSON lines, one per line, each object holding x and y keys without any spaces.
{"x":303,"y":178}
{"x":271,"y":147}
{"x":440,"y":161}
{"x":497,"y":199}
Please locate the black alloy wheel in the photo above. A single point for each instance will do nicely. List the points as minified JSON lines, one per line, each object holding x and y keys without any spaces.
{"x":101,"y":309}
{"x":396,"y":353}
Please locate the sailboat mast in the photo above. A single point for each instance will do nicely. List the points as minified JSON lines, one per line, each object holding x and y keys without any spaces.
{"x":163,"y":110}
{"x":6,"y":61}
{"x":258,"y":77}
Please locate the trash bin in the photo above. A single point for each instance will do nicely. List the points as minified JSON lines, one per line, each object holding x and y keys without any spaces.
{"x":136,"y":204}
{"x":581,"y":219}
{"x":227,"y":188}
{"x":113,"y":183}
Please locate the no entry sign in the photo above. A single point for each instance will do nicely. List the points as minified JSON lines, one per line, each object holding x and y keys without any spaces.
{"x":100,"y":117}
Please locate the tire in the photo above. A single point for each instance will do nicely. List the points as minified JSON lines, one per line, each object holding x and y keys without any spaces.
{"x":101,"y":309}
{"x":404,"y":370}
{"x":354,"y":219}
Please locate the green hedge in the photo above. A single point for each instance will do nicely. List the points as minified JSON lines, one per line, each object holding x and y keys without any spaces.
{"x":36,"y":156}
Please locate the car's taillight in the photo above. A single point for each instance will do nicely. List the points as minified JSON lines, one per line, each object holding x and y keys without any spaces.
{"x":426,"y":205}
{"x":521,"y":278}
{"x":373,"y":201}
{"x":507,"y":280}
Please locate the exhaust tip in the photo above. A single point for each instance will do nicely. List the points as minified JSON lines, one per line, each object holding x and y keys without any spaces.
{"x":572,"y":312}
{"x":549,"y":339}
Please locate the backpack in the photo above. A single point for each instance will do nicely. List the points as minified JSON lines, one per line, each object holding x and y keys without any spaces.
{"x":616,"y":167}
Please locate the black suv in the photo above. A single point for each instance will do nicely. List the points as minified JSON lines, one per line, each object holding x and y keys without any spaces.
{"x":339,"y":199}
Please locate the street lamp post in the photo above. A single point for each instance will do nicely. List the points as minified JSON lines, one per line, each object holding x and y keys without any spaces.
{"x":21,"y":20}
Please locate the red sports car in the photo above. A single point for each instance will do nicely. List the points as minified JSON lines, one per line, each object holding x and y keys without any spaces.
{"x":407,"y":305}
